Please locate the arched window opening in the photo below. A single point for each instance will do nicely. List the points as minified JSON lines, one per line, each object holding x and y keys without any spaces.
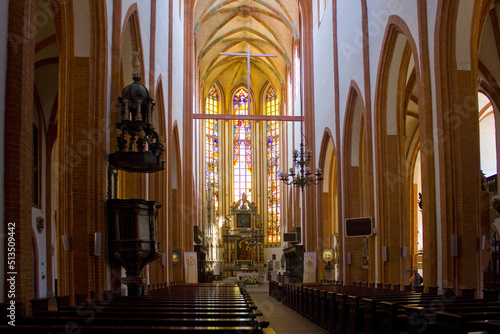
{"x":242,"y":148}
{"x":487,"y":139}
{"x":273,"y":169}
{"x":212,"y":148}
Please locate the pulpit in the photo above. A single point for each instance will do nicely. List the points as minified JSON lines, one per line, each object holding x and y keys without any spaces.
{"x":133,"y":237}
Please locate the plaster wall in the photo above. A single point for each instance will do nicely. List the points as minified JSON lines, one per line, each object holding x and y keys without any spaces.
{"x":324,"y":90}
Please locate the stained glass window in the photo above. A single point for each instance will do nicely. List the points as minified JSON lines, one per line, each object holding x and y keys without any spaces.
{"x":297,"y":73}
{"x":273,"y":169}
{"x":242,"y":147}
{"x":212,"y":148}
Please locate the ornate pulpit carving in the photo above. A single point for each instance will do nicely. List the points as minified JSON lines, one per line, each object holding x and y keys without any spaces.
{"x":133,"y":236}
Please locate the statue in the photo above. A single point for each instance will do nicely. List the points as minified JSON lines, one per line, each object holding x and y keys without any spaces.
{"x":365,"y":251}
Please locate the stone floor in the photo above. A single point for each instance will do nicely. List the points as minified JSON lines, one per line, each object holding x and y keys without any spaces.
{"x":281,"y":318}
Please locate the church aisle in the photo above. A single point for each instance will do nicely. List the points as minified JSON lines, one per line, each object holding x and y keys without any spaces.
{"x":281,"y":318}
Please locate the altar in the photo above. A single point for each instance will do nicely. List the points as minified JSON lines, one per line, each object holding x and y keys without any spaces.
{"x":243,"y":240}
{"x":241,"y":275}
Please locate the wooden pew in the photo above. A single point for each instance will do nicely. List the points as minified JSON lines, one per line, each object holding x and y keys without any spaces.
{"x":374,"y":314}
{"x":465,"y":322}
{"x":354,"y":305}
{"x":117,"y":329}
{"x":424,"y":315}
{"x":176,"y":310}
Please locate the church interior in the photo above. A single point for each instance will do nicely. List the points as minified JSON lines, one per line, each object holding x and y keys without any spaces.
{"x":149,"y":143}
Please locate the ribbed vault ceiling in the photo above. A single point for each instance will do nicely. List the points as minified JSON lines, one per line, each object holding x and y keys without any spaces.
{"x":268,"y":26}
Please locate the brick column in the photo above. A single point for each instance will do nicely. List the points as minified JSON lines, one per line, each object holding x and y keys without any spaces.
{"x":81,"y":160}
{"x":461,"y":184}
{"x":18,"y":145}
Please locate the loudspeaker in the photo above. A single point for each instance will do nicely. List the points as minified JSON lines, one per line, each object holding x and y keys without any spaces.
{"x":65,"y":240}
{"x":403,"y":251}
{"x":348,"y":258}
{"x":384,"y":253}
{"x":454,"y":245}
{"x":97,"y":244}
{"x":163,"y":259}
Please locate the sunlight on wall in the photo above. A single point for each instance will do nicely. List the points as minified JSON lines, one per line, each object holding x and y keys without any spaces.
{"x":487,"y":136}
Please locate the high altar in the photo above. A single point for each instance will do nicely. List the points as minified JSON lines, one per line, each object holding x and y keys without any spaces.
{"x":243,"y":240}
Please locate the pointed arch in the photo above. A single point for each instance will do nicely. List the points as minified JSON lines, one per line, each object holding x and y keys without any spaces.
{"x":458,"y":36}
{"x":131,"y":36}
{"x":131,"y":185}
{"x":271,"y":104}
{"x":158,"y":188}
{"x":251,"y":99}
{"x":355,"y":174}
{"x":330,"y":233}
{"x":242,"y":145}
{"x":392,"y":167}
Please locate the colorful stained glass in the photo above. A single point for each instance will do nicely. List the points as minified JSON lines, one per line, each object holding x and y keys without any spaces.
{"x":273,"y":169}
{"x":297,"y":72}
{"x":242,"y":147}
{"x":212,"y":148}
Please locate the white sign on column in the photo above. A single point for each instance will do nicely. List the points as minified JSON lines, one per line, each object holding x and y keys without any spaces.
{"x":191,"y":267}
{"x":309,"y":267}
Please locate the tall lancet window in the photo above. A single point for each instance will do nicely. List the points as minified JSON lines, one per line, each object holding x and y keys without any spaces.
{"x":273,"y":169}
{"x":212,"y":148}
{"x":242,"y":148}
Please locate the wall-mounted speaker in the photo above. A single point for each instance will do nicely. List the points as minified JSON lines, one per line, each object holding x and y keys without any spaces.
{"x":454,"y":245}
{"x":65,"y":240}
{"x":403,"y":251}
{"x":97,"y":243}
{"x":348,"y":258}
{"x":482,"y":242}
{"x":384,"y":253}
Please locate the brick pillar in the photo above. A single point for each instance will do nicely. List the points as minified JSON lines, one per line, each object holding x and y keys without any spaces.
{"x":18,"y":146}
{"x":461,"y":185}
{"x":81,"y":160}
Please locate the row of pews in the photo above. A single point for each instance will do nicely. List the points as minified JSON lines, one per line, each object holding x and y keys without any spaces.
{"x":184,"y":308}
{"x":374,"y":309}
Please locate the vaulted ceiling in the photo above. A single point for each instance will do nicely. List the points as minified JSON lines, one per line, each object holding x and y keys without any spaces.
{"x":267,"y":26}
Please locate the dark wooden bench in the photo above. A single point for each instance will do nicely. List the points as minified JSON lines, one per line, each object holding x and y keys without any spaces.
{"x":354,"y":321}
{"x":424,"y":315}
{"x":258,"y":322}
{"x":117,"y":329}
{"x":339,"y":309}
{"x":373,"y":313}
{"x":469,"y":321}
{"x":182,"y":309}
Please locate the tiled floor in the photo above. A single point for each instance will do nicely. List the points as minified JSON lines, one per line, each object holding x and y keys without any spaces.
{"x":281,"y":318}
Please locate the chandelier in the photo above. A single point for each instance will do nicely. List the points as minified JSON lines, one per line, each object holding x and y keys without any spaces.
{"x":302,"y":176}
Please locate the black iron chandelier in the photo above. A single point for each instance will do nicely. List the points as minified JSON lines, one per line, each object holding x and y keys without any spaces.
{"x":302,"y":176}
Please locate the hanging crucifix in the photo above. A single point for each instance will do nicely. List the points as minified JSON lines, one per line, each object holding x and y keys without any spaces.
{"x":248,"y":55}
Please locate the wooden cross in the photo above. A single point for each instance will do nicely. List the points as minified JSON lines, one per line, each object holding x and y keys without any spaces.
{"x":248,"y":55}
